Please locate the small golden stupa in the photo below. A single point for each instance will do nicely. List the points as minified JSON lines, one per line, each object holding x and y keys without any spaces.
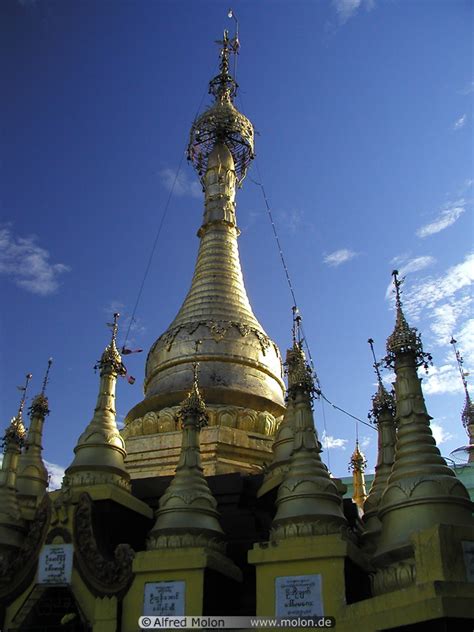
{"x":383,"y":415}
{"x":12,"y":524}
{"x":100,"y":450}
{"x":32,"y":478}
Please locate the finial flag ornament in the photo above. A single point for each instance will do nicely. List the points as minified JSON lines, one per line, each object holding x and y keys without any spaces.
{"x":404,"y":339}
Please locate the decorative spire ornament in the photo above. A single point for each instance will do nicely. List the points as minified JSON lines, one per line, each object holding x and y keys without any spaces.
{"x":422,"y":490}
{"x":383,"y":416}
{"x":222,"y":123}
{"x":357,"y":466}
{"x":33,"y":477}
{"x":467,"y":415}
{"x":404,"y":339}
{"x":100,"y":450}
{"x":12,"y":526}
{"x":187,"y":514}
{"x":308,"y":502}
{"x":284,"y":437}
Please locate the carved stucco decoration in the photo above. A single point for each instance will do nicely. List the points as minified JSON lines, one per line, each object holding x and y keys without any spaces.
{"x":17,"y":567}
{"x":218,"y":330}
{"x":394,"y":577}
{"x":310,"y":528}
{"x":165,"y":420}
{"x":103,"y":575}
{"x":84,"y":479}
{"x":183,"y":540}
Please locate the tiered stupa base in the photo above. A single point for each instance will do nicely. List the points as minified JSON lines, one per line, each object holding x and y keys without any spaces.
{"x":223,"y":451}
{"x":237,"y":439}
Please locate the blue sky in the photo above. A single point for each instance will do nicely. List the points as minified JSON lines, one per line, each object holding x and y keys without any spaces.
{"x":364,"y":117}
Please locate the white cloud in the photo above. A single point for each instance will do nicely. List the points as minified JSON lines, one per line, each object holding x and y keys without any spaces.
{"x":348,"y":8}
{"x":434,"y":291}
{"x":181,"y":184}
{"x":448,"y":215}
{"x":338,"y":257}
{"x":461,"y":121}
{"x":56,"y":473}
{"x":442,"y":380}
{"x":416,"y":264}
{"x":28,"y":265}
{"x":412,"y":265}
{"x":365,"y":442}
{"x":328,"y":441}
{"x":439,"y":433}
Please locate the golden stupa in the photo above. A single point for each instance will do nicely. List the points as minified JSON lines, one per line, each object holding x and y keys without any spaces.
{"x":241,"y":369}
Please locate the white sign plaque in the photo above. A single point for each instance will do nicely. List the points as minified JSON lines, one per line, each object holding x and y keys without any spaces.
{"x":55,"y":564}
{"x":164,"y":599}
{"x":298,"y":596}
{"x":468,"y":552}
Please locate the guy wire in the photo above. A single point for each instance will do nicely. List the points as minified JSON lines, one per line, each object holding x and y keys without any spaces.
{"x":160,"y":226}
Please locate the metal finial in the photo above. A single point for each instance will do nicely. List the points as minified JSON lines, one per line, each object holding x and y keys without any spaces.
{"x":467,"y":415}
{"x":231,"y":15}
{"x":404,"y":339}
{"x":23,"y":397}
{"x":382,"y":400}
{"x":46,"y":377}
{"x":223,"y":87}
{"x":376,"y":364}
{"x":111,"y":358}
{"x":296,"y":329}
{"x":460,"y":362}
{"x":15,"y":432}
{"x":114,"y":327}
{"x":222,"y":123}
{"x":196,"y":374}
{"x":193,"y":408}
{"x":358,"y":462}
{"x":397,"y":285}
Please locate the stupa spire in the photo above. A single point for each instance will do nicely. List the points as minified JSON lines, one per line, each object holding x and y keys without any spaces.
{"x":12,"y":526}
{"x":357,"y":466}
{"x":467,"y":414}
{"x":308,"y":502}
{"x":284,"y":437}
{"x":32,"y":479}
{"x":216,"y":309}
{"x":187,"y":514}
{"x":383,"y":415}
{"x":100,"y":450}
{"x":422,"y":490}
